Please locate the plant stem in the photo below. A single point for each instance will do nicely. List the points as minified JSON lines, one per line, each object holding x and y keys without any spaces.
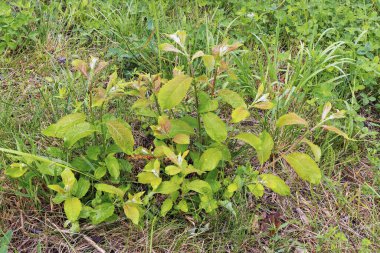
{"x":198,"y":114}
{"x":193,"y":83}
{"x":89,"y":91}
{"x":156,"y":24}
{"x":104,"y":141}
{"x":214,"y":82}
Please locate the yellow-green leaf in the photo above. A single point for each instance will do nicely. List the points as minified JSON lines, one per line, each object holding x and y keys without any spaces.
{"x":167,"y":187}
{"x":239,"y":114}
{"x":182,"y":205}
{"x":291,"y":119}
{"x":72,"y":207}
{"x":169,"y":48}
{"x":121,"y":135}
{"x":149,"y":178}
{"x":56,"y":188}
{"x":199,"y":186}
{"x":210,"y":159}
{"x":275,"y":183}
{"x":173,"y":92}
{"x":215,"y":127}
{"x":266,"y":146}
{"x":182,"y":139}
{"x":314,"y":148}
{"x":65,"y":123}
{"x":266,"y":105}
{"x":172,"y":170}
{"x":197,"y":55}
{"x":16,"y":170}
{"x":232,"y":98}
{"x":336,"y":130}
{"x":304,"y":166}
{"x":68,"y":179}
{"x":250,"y":139}
{"x":110,"y":189}
{"x":208,"y":61}
{"x":178,"y":37}
{"x":167,"y":205}
{"x":256,"y":189}
{"x":326,"y":110}
{"x":112,"y":166}
{"x":81,"y":66}
{"x":132,"y":212}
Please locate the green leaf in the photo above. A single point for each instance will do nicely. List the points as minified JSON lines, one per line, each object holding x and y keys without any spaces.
{"x":226,"y":155}
{"x":5,"y":241}
{"x":232,"y":98}
{"x":291,"y":119}
{"x":68,"y":179}
{"x":167,"y":187}
{"x":199,"y":186}
{"x":72,"y":207}
{"x":131,"y":210}
{"x":49,"y":168}
{"x":178,"y":126}
{"x":173,"y":92}
{"x":110,"y":189}
{"x":81,"y":187}
{"x":113,"y":166}
{"x":167,"y":205}
{"x":315,"y":149}
{"x":121,"y":135}
{"x":100,"y":172}
{"x":304,"y":166}
{"x":65,"y":123}
{"x":77,"y":132}
{"x":16,"y":170}
{"x":239,"y":114}
{"x":93,"y":152}
{"x":210,"y":159}
{"x":101,"y":213}
{"x":275,"y":183}
{"x":205,"y":103}
{"x":263,"y":144}
{"x":215,"y":127}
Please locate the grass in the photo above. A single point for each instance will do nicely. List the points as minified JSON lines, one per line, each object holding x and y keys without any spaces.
{"x":339,"y":215}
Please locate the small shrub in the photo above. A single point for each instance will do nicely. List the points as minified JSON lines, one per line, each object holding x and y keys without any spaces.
{"x":194,"y":121}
